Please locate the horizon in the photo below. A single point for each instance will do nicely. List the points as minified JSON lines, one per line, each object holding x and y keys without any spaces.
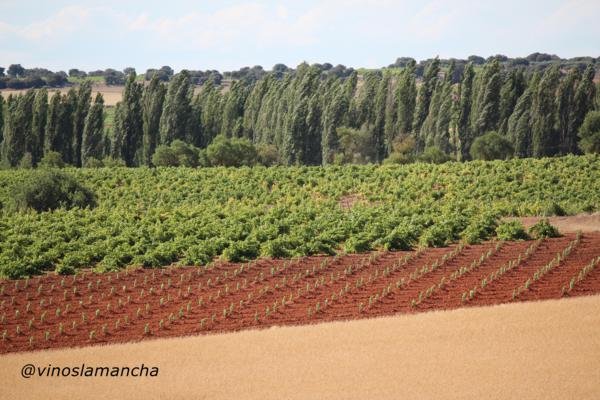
{"x":94,"y":35}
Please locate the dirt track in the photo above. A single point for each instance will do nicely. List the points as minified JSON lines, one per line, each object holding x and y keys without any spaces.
{"x":536,"y":350}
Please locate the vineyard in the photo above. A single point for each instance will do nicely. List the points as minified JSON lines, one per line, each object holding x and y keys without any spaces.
{"x":194,"y":217}
{"x":89,"y":308}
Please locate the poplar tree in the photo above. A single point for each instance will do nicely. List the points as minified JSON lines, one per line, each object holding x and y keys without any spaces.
{"x":82,"y":106}
{"x":93,"y":132}
{"x":13,"y":143}
{"x":128,"y":124}
{"x":425,"y":94}
{"x":152,"y":107}
{"x":406,"y":98}
{"x":38,"y":124}
{"x":175,"y":119}
{"x":544,"y":138}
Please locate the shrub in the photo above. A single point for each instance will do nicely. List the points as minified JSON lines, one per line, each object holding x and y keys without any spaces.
{"x":52,"y":159}
{"x":511,"y":230}
{"x":357,"y":244}
{"x":164,"y":156}
{"x":178,"y":154}
{"x":113,"y":162}
{"x":434,"y":155}
{"x":481,"y":228}
{"x":49,"y":190}
{"x":543,"y":229}
{"x":491,"y":146}
{"x":231,"y":152}
{"x":438,"y":235}
{"x":241,"y":251}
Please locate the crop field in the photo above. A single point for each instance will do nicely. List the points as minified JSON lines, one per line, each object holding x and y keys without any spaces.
{"x":88,"y":308}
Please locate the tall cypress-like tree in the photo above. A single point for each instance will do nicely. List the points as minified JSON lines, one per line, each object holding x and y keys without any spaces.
{"x":253,"y":104}
{"x":520,"y":124}
{"x":488,"y":99}
{"x":152,"y":106}
{"x":38,"y":124}
{"x":511,"y":90}
{"x":13,"y":143}
{"x":425,"y":94}
{"x":25,"y":111}
{"x":564,"y":103}
{"x":84,"y":100}
{"x":545,"y":139}
{"x":93,"y":131}
{"x":378,"y":130}
{"x":128,"y":124}
{"x":406,"y":98}
{"x":312,"y":144}
{"x":175,"y":119}
{"x":53,"y":139}
{"x":233,"y":110}
{"x":583,"y":102}
{"x":445,"y":113}
{"x":65,"y":124}
{"x":334,"y":114}
{"x":463,"y":138}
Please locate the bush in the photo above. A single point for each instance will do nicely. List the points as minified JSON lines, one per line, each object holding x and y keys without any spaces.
{"x":241,"y":251}
{"x":481,"y":228}
{"x":113,"y":162}
{"x":49,"y":190}
{"x":434,"y":155}
{"x":164,"y":156}
{"x":52,"y":159}
{"x":543,"y":229}
{"x":178,"y":154}
{"x":438,"y":235}
{"x":357,"y":244}
{"x":511,"y":230}
{"x":491,"y":146}
{"x":589,"y":133}
{"x":231,"y":152}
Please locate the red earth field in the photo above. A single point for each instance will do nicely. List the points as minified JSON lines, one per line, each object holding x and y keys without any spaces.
{"x":54,"y":311}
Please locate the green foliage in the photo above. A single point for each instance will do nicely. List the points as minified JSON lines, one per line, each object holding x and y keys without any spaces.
{"x":589,"y":133}
{"x":178,"y":154}
{"x":491,"y":146}
{"x":511,"y":230}
{"x":52,"y":159}
{"x":49,"y":190}
{"x":434,"y":155}
{"x":231,"y":152}
{"x":159,"y":216}
{"x":543,"y":229}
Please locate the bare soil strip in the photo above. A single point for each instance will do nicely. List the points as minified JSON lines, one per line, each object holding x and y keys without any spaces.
{"x":534,"y":350}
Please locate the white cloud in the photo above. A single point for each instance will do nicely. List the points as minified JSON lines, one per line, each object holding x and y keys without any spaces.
{"x":69,"y":19}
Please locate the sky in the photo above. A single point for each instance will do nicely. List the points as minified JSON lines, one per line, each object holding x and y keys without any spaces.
{"x":227,"y":35}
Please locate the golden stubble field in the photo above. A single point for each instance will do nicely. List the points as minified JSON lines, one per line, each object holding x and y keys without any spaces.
{"x":535,"y":350}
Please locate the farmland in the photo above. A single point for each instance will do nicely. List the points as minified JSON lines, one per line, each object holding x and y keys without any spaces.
{"x":136,"y":304}
{"x":257,"y":247}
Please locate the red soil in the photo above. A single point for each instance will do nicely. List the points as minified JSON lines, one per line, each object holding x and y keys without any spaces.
{"x":230,"y":297}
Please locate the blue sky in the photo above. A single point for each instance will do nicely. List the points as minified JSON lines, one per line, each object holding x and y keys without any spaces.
{"x":226,"y":35}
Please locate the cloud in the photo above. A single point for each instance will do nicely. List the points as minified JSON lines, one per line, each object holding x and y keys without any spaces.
{"x":68,"y":20}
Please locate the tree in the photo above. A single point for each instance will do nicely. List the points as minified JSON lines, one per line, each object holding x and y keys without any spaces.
{"x":128,"y":124}
{"x":462,"y":137}
{"x":519,"y":123}
{"x":487,"y":112}
{"x":175,"y":119}
{"x":13,"y":143}
{"x":491,"y":146}
{"x":425,"y":94}
{"x":355,"y":146}
{"x":544,"y":138}
{"x":406,"y":98}
{"x":84,"y":99}
{"x":334,"y":113}
{"x":152,"y":106}
{"x":589,"y":133}
{"x":231,"y":152}
{"x":93,"y":132}
{"x":583,"y":102}
{"x":38,"y":124}
{"x":15,"y":71}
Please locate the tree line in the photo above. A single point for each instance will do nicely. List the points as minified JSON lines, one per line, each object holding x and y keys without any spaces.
{"x":308,"y":116}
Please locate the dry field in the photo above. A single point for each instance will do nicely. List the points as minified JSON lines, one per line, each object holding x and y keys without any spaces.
{"x":536,"y":350}
{"x":91,"y":309}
